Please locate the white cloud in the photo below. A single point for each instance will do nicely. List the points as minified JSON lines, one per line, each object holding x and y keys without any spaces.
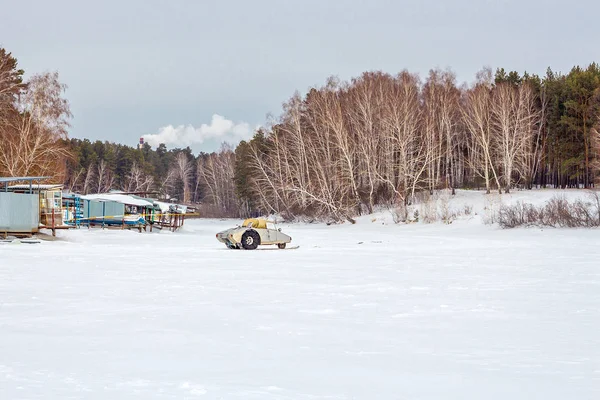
{"x":220,"y":128}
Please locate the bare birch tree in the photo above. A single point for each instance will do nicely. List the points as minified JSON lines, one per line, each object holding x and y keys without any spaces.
{"x":514,"y":118}
{"x":477,"y":115}
{"x":366,"y":104}
{"x":31,"y":138}
{"x":216,"y":172}
{"x":406,"y":152}
{"x":533,"y":152}
{"x":182,"y":170}
{"x":104,"y":177}
{"x":137,"y":180}
{"x":88,"y":181}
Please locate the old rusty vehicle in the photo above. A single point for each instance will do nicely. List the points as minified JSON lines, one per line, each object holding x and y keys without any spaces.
{"x":252,"y":233}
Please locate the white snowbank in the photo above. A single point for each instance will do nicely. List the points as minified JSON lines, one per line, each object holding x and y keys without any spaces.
{"x":478,"y":204}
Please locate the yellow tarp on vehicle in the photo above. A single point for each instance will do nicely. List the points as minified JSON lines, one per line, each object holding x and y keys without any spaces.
{"x":256,"y":223}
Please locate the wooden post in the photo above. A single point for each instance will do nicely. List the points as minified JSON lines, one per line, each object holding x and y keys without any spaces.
{"x":53,"y":223}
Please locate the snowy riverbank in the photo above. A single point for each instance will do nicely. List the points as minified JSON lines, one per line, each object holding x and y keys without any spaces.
{"x":373,"y":310}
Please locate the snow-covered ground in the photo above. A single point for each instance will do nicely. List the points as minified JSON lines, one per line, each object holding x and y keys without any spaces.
{"x":373,"y":310}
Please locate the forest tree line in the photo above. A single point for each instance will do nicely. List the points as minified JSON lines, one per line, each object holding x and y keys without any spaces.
{"x":338,"y":151}
{"x":174,"y":175}
{"x":379,"y":139}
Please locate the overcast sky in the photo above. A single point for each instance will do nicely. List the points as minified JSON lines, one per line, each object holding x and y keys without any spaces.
{"x":199,"y":72}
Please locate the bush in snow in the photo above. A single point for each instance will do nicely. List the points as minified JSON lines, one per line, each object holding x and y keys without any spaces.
{"x":510,"y":216}
{"x":468,"y":209}
{"x":492,"y":205}
{"x":446,"y":214}
{"x":399,"y":213}
{"x":558,"y":212}
{"x":428,"y":209}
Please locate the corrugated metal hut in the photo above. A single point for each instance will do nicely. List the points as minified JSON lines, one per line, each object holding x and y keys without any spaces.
{"x":19,"y":211}
{"x":50,"y":196}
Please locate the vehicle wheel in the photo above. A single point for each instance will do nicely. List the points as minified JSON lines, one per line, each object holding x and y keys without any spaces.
{"x":281,"y":245}
{"x":250,"y":240}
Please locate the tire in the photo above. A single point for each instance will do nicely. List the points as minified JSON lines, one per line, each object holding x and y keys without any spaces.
{"x":250,"y":240}
{"x":281,"y":245}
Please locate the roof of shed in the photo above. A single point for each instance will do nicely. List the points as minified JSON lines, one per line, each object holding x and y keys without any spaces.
{"x":22,"y":178}
{"x":51,"y":186}
{"x":118,"y":198}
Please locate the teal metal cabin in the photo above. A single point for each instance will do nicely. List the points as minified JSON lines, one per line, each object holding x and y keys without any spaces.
{"x":114,"y":209}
